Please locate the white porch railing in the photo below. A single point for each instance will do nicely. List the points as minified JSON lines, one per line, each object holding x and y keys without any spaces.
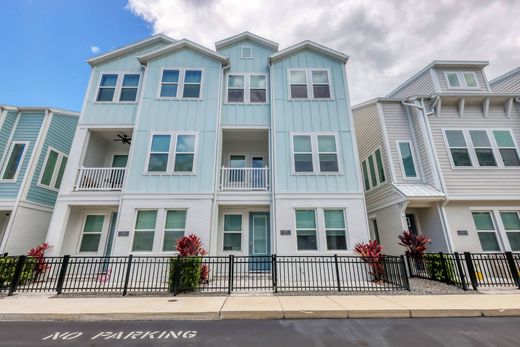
{"x":244,"y":178}
{"x":100,"y":178}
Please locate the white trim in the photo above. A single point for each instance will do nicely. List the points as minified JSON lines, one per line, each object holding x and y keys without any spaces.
{"x":462,"y":80}
{"x":20,"y":164}
{"x":316,"y":170}
{"x":498,"y":234}
{"x":345,"y":229}
{"x":180,"y":83}
{"x":309,"y":84}
{"x":246,"y":35}
{"x":307,"y":44}
{"x":166,"y":210}
{"x":412,"y":151}
{"x":247,"y":89}
{"x":154,"y":241}
{"x":102,"y":234}
{"x":55,"y":172}
{"x":182,"y":44}
{"x":315,"y":210}
{"x":241,"y":232}
{"x":118,"y":87}
{"x":171,"y":153}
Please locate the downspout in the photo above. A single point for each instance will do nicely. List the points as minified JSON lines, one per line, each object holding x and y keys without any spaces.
{"x":272,"y":157}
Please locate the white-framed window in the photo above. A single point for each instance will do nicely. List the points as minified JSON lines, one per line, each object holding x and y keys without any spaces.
{"x":335,"y":229}
{"x":118,"y":87}
{"x":306,"y":230}
{"x":461,"y":79}
{"x":180,"y":83}
{"x":174,"y":229}
{"x":482,"y":148}
{"x":180,"y":147}
{"x":91,"y":233}
{"x":14,"y":161}
{"x":246,"y":52}
{"x":486,"y":230}
{"x":246,"y":88}
{"x":232,"y":232}
{"x":511,"y":223}
{"x":373,"y":170}
{"x":144,"y":231}
{"x":52,"y":170}
{"x":407,"y":157}
{"x":314,"y":153}
{"x":309,"y":84}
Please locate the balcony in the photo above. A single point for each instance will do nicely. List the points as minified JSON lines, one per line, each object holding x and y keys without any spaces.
{"x":100,"y":178}
{"x":244,"y":179}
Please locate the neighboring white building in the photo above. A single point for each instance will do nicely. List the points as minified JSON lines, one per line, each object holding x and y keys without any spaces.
{"x":440,"y":157}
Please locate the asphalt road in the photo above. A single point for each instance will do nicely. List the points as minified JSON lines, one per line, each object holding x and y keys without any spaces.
{"x":423,"y":332}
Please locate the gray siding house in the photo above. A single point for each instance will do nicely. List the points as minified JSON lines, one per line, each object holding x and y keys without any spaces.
{"x":440,"y":157}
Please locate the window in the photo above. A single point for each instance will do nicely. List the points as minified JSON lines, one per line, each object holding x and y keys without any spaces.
{"x":483,"y":149}
{"x":53,"y":169}
{"x":169,"y":83}
{"x":506,"y":147}
{"x":302,"y":147}
{"x":298,"y":84}
{"x":174,"y":228}
{"x":511,"y":222}
{"x":144,"y":231}
{"x":192,"y":82}
{"x":306,"y":238}
{"x":327,"y":153}
{"x":107,"y":87}
{"x":379,"y":164}
{"x":257,"y":88}
{"x":184,"y":153}
{"x":335,"y":229}
{"x":14,"y":159}
{"x":366,"y":179}
{"x":373,"y":170}
{"x":129,"y":87}
{"x":458,"y":80}
{"x":232,"y":232}
{"x":246,"y":52}
{"x":458,"y":148}
{"x":486,"y":231}
{"x":92,"y":230}
{"x":236,"y":88}
{"x":320,"y":84}
{"x":407,"y":161}
{"x":159,"y":153}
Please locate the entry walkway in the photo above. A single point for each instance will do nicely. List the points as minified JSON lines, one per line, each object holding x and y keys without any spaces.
{"x":258,"y":307}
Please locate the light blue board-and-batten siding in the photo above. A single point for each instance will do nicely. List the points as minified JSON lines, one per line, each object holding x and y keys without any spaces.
{"x":59,"y":136}
{"x":5,"y":132}
{"x":246,"y":114}
{"x":27,"y":129}
{"x":167,"y":115}
{"x":100,"y":113}
{"x":312,"y":116}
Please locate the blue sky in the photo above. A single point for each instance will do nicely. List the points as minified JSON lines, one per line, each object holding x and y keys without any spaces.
{"x":48,"y":42}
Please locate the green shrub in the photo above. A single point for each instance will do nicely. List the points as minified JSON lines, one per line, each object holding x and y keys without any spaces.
{"x":435,"y":268}
{"x":8,"y":266}
{"x":185,"y":273}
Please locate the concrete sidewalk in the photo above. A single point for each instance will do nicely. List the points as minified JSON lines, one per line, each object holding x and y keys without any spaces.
{"x":258,"y":307}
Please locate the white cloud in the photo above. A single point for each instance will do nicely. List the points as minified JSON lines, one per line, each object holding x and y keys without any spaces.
{"x":388,"y":41}
{"x":94,"y":49}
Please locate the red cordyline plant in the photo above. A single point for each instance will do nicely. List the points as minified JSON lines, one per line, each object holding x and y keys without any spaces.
{"x":191,"y":245}
{"x":372,"y":253}
{"x":38,"y":253}
{"x":415,"y":245}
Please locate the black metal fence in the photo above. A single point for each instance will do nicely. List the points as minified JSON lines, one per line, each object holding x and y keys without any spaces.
{"x":468,"y":270}
{"x":217,"y":274}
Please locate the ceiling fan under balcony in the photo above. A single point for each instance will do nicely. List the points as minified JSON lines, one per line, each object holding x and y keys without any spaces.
{"x":124,"y":139}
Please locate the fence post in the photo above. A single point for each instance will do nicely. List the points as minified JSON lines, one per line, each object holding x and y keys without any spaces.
{"x":230,"y":273}
{"x":17,"y":274}
{"x":175,"y":267}
{"x":336,"y":265}
{"x":409,"y":264}
{"x":274,"y":276}
{"x":404,"y":274}
{"x":127,"y":276}
{"x":471,"y":270}
{"x":461,"y":271}
{"x":444,"y":268}
{"x":514,"y":270}
{"x":63,"y":272}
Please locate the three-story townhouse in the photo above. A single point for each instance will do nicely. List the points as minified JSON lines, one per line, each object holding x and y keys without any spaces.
{"x":440,"y":158}
{"x":34,"y":148}
{"x":248,"y":147}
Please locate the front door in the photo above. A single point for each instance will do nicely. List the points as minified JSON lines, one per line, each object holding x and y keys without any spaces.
{"x":259,"y":241}
{"x":412,"y":225}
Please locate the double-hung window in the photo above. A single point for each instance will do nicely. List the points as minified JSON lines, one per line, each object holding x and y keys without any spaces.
{"x":192,"y":83}
{"x":92,"y":231}
{"x":407,"y":159}
{"x":302,"y":148}
{"x":458,"y":148}
{"x":373,"y":170}
{"x":185,"y":82}
{"x":53,"y":169}
{"x":129,"y":87}
{"x":335,"y":229}
{"x":315,"y":153}
{"x":257,"y":88}
{"x":486,"y":231}
{"x":506,"y":147}
{"x":366,"y":177}
{"x":121,"y":87}
{"x":246,"y":88}
{"x":298,"y":84}
{"x":181,"y":146}
{"x":184,"y":153}
{"x":144,"y":231}
{"x":320,"y":84}
{"x":232,"y":232}
{"x":483,"y":148}
{"x":159,"y":153}
{"x":174,"y":228}
{"x":107,"y":87}
{"x":14,"y":161}
{"x":327,"y":153}
{"x":309,"y":84}
{"x":306,"y":233}
{"x":169,"y":83}
{"x":236,"y":88}
{"x":461,"y":80}
{"x":511,"y":222}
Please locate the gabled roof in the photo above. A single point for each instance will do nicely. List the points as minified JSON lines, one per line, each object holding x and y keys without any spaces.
{"x":505,"y":76}
{"x":442,"y":64}
{"x":130,"y":48}
{"x":38,"y":109}
{"x":246,"y":35}
{"x":311,"y":46}
{"x":181,"y":44}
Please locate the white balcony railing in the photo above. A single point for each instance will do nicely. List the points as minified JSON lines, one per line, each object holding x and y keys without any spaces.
{"x":244,"y":179}
{"x":100,"y":178}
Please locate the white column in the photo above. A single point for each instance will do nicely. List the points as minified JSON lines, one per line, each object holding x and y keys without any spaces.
{"x":57,"y":228}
